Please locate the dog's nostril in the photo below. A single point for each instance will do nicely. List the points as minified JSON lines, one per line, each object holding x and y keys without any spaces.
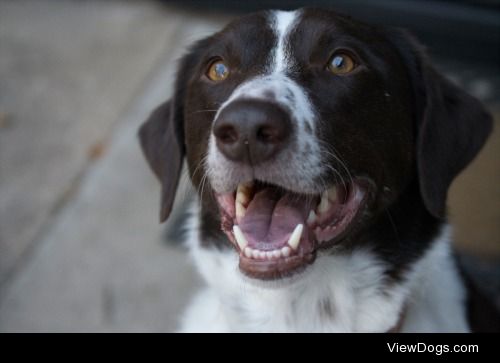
{"x":267,"y":134}
{"x":227,"y":134}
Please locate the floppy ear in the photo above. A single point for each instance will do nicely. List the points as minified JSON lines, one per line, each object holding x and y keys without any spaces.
{"x":162,"y":134}
{"x":451,"y":126}
{"x":453,"y":129}
{"x":161,"y":141}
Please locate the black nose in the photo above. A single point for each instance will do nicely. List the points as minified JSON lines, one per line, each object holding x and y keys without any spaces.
{"x":252,"y":131}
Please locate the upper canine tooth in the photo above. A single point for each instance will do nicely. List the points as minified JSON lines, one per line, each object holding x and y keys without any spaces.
{"x":311,"y":218}
{"x":332,"y":193}
{"x":240,"y":210}
{"x":240,"y":237}
{"x":294,"y":239}
{"x":243,"y":193}
{"x":324,"y":204}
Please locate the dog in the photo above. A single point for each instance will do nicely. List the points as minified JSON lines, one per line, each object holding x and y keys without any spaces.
{"x":321,"y":149}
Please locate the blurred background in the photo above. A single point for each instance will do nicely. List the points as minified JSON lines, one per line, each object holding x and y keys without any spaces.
{"x":80,"y":244}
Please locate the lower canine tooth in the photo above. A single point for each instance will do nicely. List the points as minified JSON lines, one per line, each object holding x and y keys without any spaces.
{"x":294,"y":240}
{"x":248,"y":252}
{"x":240,"y":238}
{"x":285,"y":251}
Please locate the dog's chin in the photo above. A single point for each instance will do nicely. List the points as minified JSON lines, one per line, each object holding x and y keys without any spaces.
{"x":278,"y":233}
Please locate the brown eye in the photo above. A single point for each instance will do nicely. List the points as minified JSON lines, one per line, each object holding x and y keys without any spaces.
{"x":341,"y":63}
{"x":217,"y":71}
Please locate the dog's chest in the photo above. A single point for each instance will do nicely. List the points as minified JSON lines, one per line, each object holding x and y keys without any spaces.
{"x":340,"y":293}
{"x":337,"y":294}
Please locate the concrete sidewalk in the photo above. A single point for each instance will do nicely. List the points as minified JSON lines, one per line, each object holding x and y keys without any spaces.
{"x":81,"y":247}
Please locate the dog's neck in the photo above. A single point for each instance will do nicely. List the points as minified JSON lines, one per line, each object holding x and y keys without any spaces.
{"x":349,"y":292}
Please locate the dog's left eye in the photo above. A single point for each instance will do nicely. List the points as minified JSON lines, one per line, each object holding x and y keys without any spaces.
{"x":341,"y":63}
{"x":217,"y":71}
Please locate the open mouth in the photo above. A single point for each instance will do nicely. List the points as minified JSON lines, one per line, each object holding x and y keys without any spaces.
{"x":277,"y":232}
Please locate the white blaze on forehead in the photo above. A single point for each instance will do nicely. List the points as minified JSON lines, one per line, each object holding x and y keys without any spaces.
{"x":297,"y":166}
{"x":283,"y":23}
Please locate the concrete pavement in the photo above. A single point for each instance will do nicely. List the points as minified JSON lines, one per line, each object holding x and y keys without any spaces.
{"x":81,"y":247}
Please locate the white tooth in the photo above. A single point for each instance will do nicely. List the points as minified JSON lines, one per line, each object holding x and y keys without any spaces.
{"x":269,"y":255}
{"x":255,"y":254}
{"x":240,"y":237}
{"x":243,"y":193}
{"x":295,"y":237}
{"x":318,"y":233}
{"x":285,"y":251}
{"x":312,"y":217}
{"x":262,"y":255}
{"x":240,"y":210}
{"x":276,"y":254}
{"x":332,"y":194}
{"x":248,"y":252}
{"x":324,"y":204}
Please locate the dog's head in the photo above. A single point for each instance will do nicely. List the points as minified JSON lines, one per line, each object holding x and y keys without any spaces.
{"x":301,"y":129}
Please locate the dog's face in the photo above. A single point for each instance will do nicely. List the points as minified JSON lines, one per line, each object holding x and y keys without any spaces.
{"x":301,"y":129}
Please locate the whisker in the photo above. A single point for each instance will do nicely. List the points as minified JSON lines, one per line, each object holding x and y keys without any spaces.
{"x":338,"y":176}
{"x":186,"y":179}
{"x":201,"y":111}
{"x":203,"y":181}
{"x":391,"y":220}
{"x":200,"y":164}
{"x":337,"y":157}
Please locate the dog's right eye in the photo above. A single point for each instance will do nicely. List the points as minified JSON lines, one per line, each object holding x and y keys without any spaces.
{"x":217,"y":71}
{"x":341,"y":63}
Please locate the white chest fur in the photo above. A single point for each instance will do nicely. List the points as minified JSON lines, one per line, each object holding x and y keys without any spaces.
{"x":339,"y":293}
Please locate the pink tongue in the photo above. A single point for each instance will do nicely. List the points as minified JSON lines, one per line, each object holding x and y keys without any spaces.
{"x":270,"y":219}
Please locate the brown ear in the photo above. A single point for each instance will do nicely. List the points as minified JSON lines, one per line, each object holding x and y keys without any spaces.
{"x":451,"y":126}
{"x":161,"y":141}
